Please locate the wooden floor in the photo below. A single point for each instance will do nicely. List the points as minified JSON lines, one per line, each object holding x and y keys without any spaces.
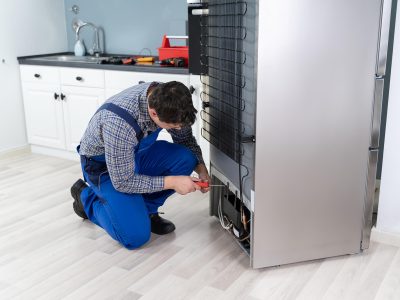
{"x":47,"y":252}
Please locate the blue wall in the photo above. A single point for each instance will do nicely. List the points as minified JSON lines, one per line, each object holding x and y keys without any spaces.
{"x":129,"y":25}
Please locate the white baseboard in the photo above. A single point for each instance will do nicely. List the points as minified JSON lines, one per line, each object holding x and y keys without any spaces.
{"x":15,"y":151}
{"x":55,"y":152}
{"x":385,"y":237}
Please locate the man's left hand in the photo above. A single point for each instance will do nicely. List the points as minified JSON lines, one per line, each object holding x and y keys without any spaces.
{"x":201,"y":169}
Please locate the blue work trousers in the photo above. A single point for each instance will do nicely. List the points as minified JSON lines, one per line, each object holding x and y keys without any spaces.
{"x":124,"y":216}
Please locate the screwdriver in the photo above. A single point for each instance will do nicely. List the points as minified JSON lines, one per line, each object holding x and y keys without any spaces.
{"x":205,"y":184}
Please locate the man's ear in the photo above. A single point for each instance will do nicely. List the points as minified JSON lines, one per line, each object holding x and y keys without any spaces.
{"x":152,"y":112}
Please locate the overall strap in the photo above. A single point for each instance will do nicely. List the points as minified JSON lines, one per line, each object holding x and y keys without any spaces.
{"x":125,"y":115}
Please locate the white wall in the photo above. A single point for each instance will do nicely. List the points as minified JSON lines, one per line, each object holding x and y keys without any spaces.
{"x":389,"y":199}
{"x":26,"y":28}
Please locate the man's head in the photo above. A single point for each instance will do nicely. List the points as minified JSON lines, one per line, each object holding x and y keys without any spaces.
{"x":171,"y":106}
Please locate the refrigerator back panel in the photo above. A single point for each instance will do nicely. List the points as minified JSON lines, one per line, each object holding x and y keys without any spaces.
{"x":228,"y":42}
{"x":315,"y":94}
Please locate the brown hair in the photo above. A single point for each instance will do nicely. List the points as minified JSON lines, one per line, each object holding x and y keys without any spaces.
{"x":173,"y":103}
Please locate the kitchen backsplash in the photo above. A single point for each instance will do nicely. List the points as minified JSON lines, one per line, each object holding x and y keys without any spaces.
{"x":129,"y":26}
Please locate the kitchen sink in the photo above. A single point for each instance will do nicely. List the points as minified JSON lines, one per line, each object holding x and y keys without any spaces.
{"x":73,"y":58}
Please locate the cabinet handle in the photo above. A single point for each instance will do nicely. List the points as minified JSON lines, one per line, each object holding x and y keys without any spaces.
{"x":191,"y":89}
{"x":79,"y":78}
{"x":141,"y":81}
{"x":56,"y":96}
{"x":37,"y":75}
{"x":62,"y":96}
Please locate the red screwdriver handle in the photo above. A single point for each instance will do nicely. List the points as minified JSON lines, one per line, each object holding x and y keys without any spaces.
{"x":202,"y":184}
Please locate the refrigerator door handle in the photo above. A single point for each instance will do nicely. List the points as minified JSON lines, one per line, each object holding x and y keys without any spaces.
{"x":369,"y":197}
{"x":376,"y":115}
{"x":384,"y":37}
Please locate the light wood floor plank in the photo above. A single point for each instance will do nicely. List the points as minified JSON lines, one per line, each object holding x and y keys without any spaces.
{"x":243,"y":286}
{"x":390,"y":286}
{"x":368,"y":283}
{"x":322,"y":278}
{"x":98,"y":287}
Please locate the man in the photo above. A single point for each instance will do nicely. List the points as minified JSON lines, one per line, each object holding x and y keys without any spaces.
{"x":128,"y":172}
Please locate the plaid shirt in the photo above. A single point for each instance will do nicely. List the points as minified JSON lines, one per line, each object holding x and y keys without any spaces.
{"x":109,"y":134}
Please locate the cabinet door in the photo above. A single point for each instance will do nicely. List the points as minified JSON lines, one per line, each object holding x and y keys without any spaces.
{"x":43,"y":113}
{"x":79,"y":105}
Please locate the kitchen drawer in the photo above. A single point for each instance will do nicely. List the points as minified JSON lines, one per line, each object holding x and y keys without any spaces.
{"x":39,"y":74}
{"x":122,"y":80}
{"x":82,"y":77}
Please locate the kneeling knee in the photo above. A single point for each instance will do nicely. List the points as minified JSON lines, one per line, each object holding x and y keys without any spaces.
{"x":136,"y":240}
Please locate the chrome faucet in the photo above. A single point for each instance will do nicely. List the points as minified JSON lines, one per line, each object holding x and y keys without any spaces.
{"x":96,"y":49}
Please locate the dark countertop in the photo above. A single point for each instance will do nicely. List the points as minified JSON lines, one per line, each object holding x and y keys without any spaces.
{"x":154,"y":68}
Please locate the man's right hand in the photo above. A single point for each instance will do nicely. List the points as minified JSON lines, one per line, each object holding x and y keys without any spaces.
{"x":181,"y":184}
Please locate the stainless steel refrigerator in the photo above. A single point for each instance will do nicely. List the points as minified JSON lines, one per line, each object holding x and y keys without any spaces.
{"x":308,"y":135}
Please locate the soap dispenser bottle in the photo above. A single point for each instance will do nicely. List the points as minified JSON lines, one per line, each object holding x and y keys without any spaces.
{"x":79,"y":48}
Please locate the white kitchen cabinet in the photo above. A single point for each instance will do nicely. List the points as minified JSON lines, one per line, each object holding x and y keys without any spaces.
{"x":59,"y":103}
{"x":79,"y":105}
{"x":44,"y":114}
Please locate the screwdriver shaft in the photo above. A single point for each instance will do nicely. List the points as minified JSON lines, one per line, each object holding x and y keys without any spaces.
{"x":206,"y":184}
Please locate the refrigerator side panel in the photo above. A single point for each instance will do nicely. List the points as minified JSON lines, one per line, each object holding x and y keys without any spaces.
{"x":372,"y":162}
{"x":377,"y":112}
{"x":384,"y":37}
{"x":370,"y":192}
{"x":315,"y":93}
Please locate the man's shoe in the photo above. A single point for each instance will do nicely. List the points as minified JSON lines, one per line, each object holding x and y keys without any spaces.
{"x":76,"y":191}
{"x":160,"y":225}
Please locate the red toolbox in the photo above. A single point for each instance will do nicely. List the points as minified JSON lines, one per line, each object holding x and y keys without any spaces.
{"x":168,"y":51}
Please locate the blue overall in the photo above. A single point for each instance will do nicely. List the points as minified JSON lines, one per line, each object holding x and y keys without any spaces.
{"x":124,"y":216}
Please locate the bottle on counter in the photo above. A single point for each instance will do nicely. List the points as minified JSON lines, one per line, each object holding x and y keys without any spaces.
{"x":79,"y":48}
